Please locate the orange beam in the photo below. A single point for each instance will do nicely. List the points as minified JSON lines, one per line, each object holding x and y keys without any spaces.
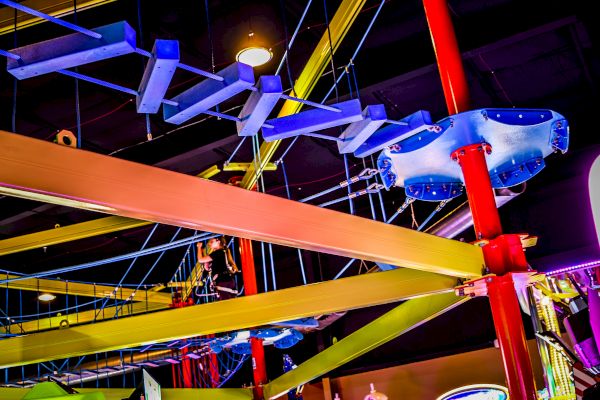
{"x":35,"y":169}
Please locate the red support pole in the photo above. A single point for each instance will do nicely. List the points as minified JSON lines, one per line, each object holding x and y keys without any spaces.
{"x":479,"y":190}
{"x":187,"y":369}
{"x":452,"y":73}
{"x":511,"y":337}
{"x":503,"y":253}
{"x":259,"y":367}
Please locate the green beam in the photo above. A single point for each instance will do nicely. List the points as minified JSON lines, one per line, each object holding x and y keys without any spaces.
{"x":166,"y":394}
{"x":401,"y":319}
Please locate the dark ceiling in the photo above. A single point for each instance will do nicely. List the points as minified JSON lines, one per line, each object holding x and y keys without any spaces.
{"x":537,"y":54}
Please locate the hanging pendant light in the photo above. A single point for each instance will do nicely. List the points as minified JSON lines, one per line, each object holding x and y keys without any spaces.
{"x":255,"y":52}
{"x":375,"y":395}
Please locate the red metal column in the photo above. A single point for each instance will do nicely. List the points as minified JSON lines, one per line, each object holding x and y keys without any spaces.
{"x":259,"y":367}
{"x":503,"y":253}
{"x":448,"y":57}
{"x":511,"y":337}
{"x":186,"y":367}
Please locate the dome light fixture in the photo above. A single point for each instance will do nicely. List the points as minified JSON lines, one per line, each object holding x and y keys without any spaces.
{"x":46,"y":297}
{"x":254,"y":54}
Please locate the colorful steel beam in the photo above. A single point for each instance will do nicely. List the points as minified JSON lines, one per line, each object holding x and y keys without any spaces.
{"x":259,"y":105}
{"x":344,"y":17}
{"x":224,"y":316}
{"x":166,"y":394}
{"x":400,"y":320}
{"x":357,"y":132}
{"x":34,"y":169}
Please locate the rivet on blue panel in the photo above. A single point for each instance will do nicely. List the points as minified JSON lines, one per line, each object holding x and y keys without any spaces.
{"x":433,"y":191}
{"x":312,"y":120}
{"x":259,"y":105}
{"x":157,"y":75}
{"x":357,"y":132}
{"x":511,"y":175}
{"x":388,"y":177}
{"x":391,"y":134}
{"x":72,"y":50}
{"x":208,"y":93}
{"x":559,"y":139}
{"x":520,"y":117}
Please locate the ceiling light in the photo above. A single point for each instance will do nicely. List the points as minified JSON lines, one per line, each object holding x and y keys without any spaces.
{"x":254,"y":56}
{"x":254,"y":53}
{"x":46,"y":297}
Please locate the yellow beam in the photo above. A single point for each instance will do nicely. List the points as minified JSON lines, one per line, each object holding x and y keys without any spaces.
{"x":55,"y":8}
{"x":68,"y":233}
{"x":223,"y":316}
{"x":81,"y":317}
{"x":34,"y":169}
{"x":320,"y":58}
{"x":85,"y":289}
{"x":400,"y":320}
{"x":239,"y":166}
{"x":209,"y":172}
{"x":166,"y":394}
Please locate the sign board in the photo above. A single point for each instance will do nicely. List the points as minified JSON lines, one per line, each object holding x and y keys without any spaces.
{"x":151,"y":387}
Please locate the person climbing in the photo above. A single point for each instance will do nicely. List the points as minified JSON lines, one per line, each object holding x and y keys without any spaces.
{"x":219,"y":263}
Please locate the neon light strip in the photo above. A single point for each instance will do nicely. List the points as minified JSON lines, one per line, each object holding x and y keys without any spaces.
{"x":573,"y":268}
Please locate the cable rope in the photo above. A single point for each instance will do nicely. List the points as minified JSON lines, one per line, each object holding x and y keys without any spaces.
{"x":291,"y":42}
{"x":335,"y":82}
{"x":355,"y":54}
{"x":14,"y":94}
{"x":287,"y":45}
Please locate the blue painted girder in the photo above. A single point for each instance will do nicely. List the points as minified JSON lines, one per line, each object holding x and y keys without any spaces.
{"x":208,"y":93}
{"x":312,"y":120}
{"x":158,"y":73}
{"x":391,"y":134}
{"x":357,"y":132}
{"x":259,"y":105}
{"x":72,"y":50}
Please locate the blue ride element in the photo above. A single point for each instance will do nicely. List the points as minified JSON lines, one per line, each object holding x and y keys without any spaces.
{"x":72,"y":50}
{"x":312,"y":120}
{"x":157,"y":76}
{"x":244,"y":348}
{"x":386,"y":267}
{"x":308,"y":322}
{"x":208,"y":93}
{"x":289,"y":365}
{"x":264,"y":333}
{"x":357,"y":132}
{"x":289,"y":340}
{"x":259,"y":105}
{"x":391,"y":134}
{"x":433,"y":191}
{"x":520,"y":140}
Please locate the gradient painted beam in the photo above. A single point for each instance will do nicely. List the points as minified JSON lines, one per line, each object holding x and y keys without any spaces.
{"x":259,"y":105}
{"x":312,"y":120}
{"x":341,"y":22}
{"x":34,"y":169}
{"x":224,"y":316}
{"x":72,"y":50}
{"x":405,"y":317}
{"x":158,"y":74}
{"x":205,"y":95}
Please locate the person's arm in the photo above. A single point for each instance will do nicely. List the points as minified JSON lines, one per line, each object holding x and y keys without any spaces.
{"x":202,"y":258}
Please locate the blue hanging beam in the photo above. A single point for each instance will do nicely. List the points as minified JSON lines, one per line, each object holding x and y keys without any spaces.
{"x":310,"y":103}
{"x":21,"y":7}
{"x":357,"y":132}
{"x":391,"y":134}
{"x":189,"y":68}
{"x":208,"y":93}
{"x":72,"y":50}
{"x":259,"y":105}
{"x":307,"y":122}
{"x":157,"y":76}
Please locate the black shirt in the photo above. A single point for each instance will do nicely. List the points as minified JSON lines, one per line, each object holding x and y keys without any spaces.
{"x":219,"y":266}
